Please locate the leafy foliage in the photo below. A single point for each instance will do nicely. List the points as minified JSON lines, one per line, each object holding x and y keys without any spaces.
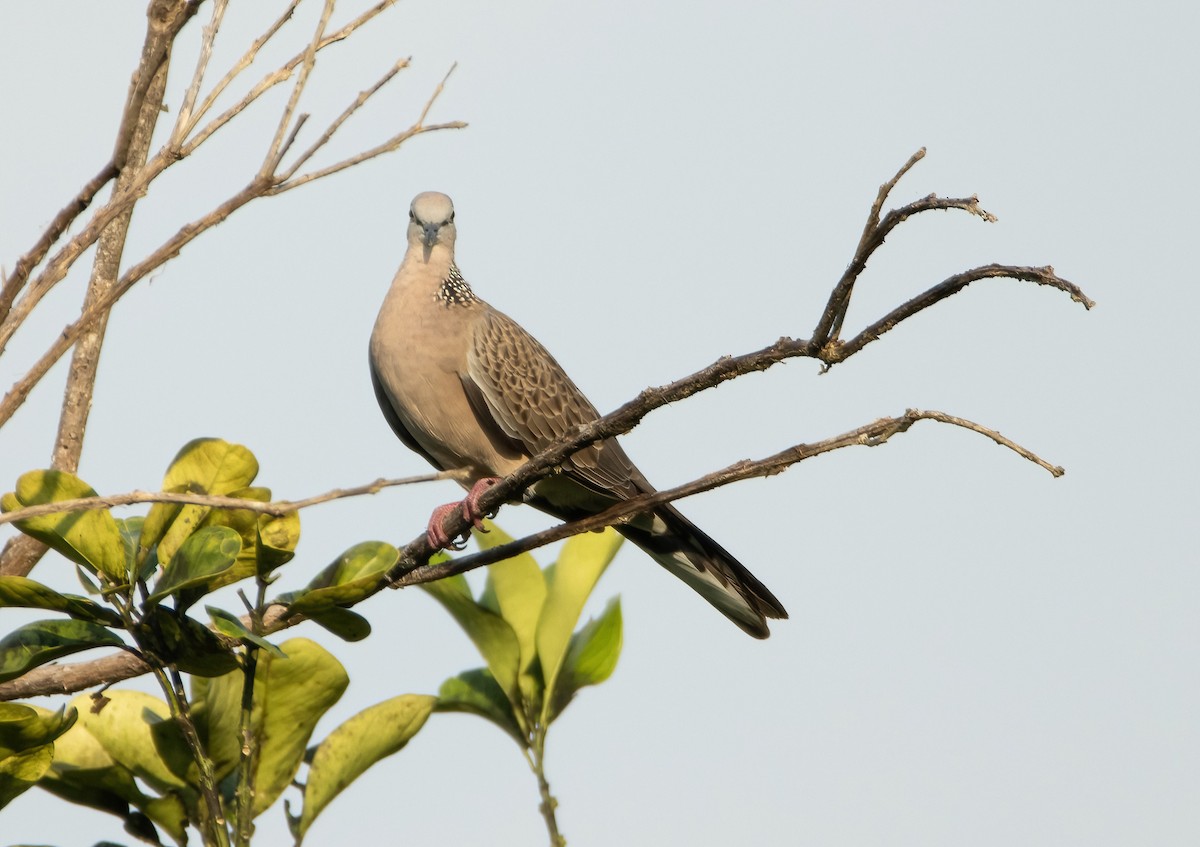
{"x":230,"y":743}
{"x":523,"y":626}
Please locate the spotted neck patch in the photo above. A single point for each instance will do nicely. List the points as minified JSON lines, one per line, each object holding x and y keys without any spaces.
{"x":454,"y":290}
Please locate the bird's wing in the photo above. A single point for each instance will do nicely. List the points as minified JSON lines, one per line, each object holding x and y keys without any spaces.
{"x":531,"y":398}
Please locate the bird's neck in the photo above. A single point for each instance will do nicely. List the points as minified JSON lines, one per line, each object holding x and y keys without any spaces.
{"x":454,"y":290}
{"x":438,"y":275}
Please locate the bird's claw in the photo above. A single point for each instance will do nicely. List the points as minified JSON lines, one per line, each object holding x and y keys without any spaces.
{"x":436,"y":535}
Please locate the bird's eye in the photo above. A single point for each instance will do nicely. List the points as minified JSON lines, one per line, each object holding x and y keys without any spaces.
{"x":450,"y":219}
{"x":412,"y":216}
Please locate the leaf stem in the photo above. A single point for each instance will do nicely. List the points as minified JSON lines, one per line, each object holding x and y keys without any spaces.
{"x":536,"y":757}
{"x":212,"y":827}
{"x":244,"y":808}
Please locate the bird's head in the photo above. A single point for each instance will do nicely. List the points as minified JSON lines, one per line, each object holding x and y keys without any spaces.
{"x":431,"y":222}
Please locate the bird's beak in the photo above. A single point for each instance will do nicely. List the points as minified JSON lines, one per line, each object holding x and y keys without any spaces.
{"x":431,"y":234}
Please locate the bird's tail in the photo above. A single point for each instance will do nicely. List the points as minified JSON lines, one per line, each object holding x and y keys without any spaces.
{"x":682,"y":548}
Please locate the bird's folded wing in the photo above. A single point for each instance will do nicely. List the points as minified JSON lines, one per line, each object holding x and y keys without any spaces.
{"x":534,"y":402}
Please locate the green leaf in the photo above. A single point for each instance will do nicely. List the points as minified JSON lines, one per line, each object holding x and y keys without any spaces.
{"x":371,"y":735}
{"x":245,"y":523}
{"x":44,"y":641}
{"x":492,"y":636}
{"x":21,"y":592}
{"x":131,"y":534}
{"x":277,"y":540}
{"x":476,"y":692}
{"x":203,"y":466}
{"x":20,"y":771}
{"x":290,"y":696}
{"x":189,"y":645}
{"x":591,"y":657}
{"x":88,"y":538}
{"x":345,"y":624}
{"x":570,"y":581}
{"x":27,"y":738}
{"x":137,"y":731}
{"x":230,"y":625}
{"x":352,"y":576}
{"x":299,"y":690}
{"x":202,"y":557}
{"x":516,"y":590}
{"x":24,"y":727}
{"x":83,"y":773}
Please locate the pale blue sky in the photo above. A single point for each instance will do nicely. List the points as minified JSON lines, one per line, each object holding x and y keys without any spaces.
{"x":978,"y":654}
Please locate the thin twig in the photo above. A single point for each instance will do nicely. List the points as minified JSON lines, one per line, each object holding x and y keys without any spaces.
{"x":65,"y":217}
{"x":276,"y":150}
{"x":946,"y":288}
{"x":388,"y":146}
{"x":184,"y":127}
{"x":20,"y":390}
{"x":873,"y":434}
{"x":270,"y":80}
{"x":413,"y":569}
{"x":275,"y":507}
{"x":363,"y":97}
{"x":184,"y":118}
{"x":58,"y":265}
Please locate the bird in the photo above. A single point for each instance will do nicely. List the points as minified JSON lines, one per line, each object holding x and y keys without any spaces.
{"x":469,"y":389}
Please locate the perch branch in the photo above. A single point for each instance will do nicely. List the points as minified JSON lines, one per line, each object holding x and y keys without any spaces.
{"x":78,"y":676}
{"x":873,"y":434}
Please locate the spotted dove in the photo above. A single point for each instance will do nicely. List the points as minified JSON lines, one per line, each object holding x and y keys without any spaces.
{"x":467,"y":388}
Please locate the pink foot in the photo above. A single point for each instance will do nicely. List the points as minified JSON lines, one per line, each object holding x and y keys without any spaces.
{"x":438,"y":539}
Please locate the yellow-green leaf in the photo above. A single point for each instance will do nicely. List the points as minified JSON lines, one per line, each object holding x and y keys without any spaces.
{"x":22,"y":592}
{"x":591,"y":657}
{"x":40,"y":642}
{"x":476,"y":692}
{"x":277,"y":540}
{"x":20,"y":771}
{"x":516,"y":590}
{"x":492,"y":636}
{"x":373,"y":734}
{"x":569,"y":583}
{"x":203,"y":557}
{"x":299,"y":690}
{"x":24,"y":727}
{"x":202,"y":466}
{"x":290,"y":696}
{"x":352,"y":576}
{"x":137,"y":731}
{"x":89,"y":538}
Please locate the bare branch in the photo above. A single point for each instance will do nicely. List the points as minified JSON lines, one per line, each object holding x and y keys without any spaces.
{"x":165,"y":19}
{"x":182,"y":128}
{"x":363,"y":97}
{"x":76,"y":677}
{"x":873,"y":434}
{"x":20,"y":390}
{"x":16,"y":281}
{"x":184,"y":117}
{"x":269,"y":81}
{"x":874,"y":233}
{"x":274,"y":507}
{"x":393,"y":143}
{"x":58,"y":265}
{"x":277,"y":149}
{"x":952,"y":285}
